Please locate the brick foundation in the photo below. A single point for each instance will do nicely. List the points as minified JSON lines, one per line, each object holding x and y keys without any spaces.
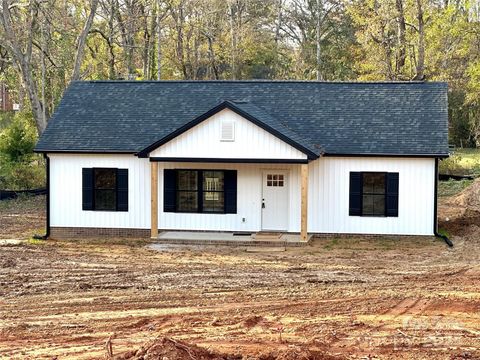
{"x":369,"y":236}
{"x":83,"y":232}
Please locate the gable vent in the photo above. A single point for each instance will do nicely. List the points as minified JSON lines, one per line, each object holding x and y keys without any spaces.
{"x":227,"y":131}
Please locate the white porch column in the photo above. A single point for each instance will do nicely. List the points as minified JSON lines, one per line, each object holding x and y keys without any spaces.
{"x":154,"y":199}
{"x":304,"y":199}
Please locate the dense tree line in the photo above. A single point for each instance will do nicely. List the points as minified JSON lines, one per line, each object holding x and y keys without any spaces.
{"x":44,"y":44}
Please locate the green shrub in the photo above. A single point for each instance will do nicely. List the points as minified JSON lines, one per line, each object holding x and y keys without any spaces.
{"x":6,"y":119}
{"x":22,"y":175}
{"x":18,"y":139}
{"x":451,"y":165}
{"x":20,"y":168}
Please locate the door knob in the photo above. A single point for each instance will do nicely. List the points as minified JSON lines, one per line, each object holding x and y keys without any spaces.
{"x":263,"y":203}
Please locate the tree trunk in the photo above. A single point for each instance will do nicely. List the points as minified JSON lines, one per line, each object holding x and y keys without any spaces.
{"x":318,"y":38}
{"x":401,"y":43}
{"x":146,"y":42}
{"x":159,"y":42}
{"x":211,"y":55}
{"x":421,"y":43}
{"x":179,"y":19}
{"x":278,"y":26}
{"x":82,"y":40}
{"x":233,"y":41}
{"x":111,"y":28}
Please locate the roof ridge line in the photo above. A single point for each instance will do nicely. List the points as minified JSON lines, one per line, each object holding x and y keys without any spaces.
{"x":259,"y":81}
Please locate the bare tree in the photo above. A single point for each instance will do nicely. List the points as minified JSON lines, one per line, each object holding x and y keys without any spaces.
{"x":159,"y":40}
{"x":318,"y":38}
{"x":21,"y":46}
{"x":233,"y":35}
{"x":420,"y":68}
{"x":401,"y":42}
{"x":82,"y":40}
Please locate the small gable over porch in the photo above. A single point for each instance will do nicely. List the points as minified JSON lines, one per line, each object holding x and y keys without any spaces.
{"x":232,"y":131}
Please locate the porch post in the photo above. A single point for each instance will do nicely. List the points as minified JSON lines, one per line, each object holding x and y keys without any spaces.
{"x":304,"y":206}
{"x":154,"y":198}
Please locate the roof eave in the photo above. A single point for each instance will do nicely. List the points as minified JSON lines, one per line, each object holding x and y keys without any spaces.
{"x":439,"y":156}
{"x":56,"y":151}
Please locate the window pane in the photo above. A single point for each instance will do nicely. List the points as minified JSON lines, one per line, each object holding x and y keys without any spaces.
{"x":213,"y":201}
{"x":379,"y":183}
{"x":374,"y":205}
{"x":105,"y":178}
{"x":187,"y":201}
{"x":367,"y":205}
{"x":368,"y":183}
{"x":105,"y":199}
{"x":213,"y":180}
{"x":187,"y":180}
{"x":374,"y":183}
{"x":379,"y":205}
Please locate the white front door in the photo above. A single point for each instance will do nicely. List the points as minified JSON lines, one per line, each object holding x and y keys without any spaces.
{"x":275,"y":200}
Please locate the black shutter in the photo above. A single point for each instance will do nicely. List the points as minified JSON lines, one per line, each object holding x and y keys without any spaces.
{"x":392,"y":194}
{"x":169,"y":190}
{"x":355,"y":198}
{"x":87,"y":189}
{"x":122,"y":189}
{"x":230,"y":186}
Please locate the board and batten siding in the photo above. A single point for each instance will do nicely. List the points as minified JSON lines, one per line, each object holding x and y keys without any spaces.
{"x":66,"y":191}
{"x":328,"y":196}
{"x":250,"y":141}
{"x":249,"y":200}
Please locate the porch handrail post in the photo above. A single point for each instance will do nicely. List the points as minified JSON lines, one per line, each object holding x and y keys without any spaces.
{"x":154,"y":199}
{"x":304,"y":202}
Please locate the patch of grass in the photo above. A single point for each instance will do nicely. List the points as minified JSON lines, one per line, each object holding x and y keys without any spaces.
{"x":462,"y":162}
{"x":33,"y":241}
{"x":131,"y":242}
{"x":331,"y":244}
{"x":452,"y":187}
{"x":23,"y":203}
{"x":444,"y":233}
{"x":373,"y":243}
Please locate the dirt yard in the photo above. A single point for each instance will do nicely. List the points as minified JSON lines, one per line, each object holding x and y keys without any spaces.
{"x":338,"y":299}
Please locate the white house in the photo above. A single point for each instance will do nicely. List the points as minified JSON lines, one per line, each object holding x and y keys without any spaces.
{"x":131,"y":158}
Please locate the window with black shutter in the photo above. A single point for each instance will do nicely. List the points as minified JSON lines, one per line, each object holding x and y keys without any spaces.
{"x":105,"y":189}
{"x":373,"y":194}
{"x":200,"y":191}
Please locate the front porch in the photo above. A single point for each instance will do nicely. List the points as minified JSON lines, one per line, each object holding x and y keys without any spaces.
{"x":252,"y":207}
{"x":233,"y":238}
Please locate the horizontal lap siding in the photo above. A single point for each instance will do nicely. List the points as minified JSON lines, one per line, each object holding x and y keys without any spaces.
{"x":66,"y":192}
{"x":329,"y":196}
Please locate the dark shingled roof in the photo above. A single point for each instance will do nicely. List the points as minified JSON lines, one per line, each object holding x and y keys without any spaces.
{"x":323,"y":117}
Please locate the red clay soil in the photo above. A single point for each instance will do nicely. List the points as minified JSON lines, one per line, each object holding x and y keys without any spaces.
{"x":457,"y":213}
{"x":341,"y":298}
{"x":167,"y":348}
